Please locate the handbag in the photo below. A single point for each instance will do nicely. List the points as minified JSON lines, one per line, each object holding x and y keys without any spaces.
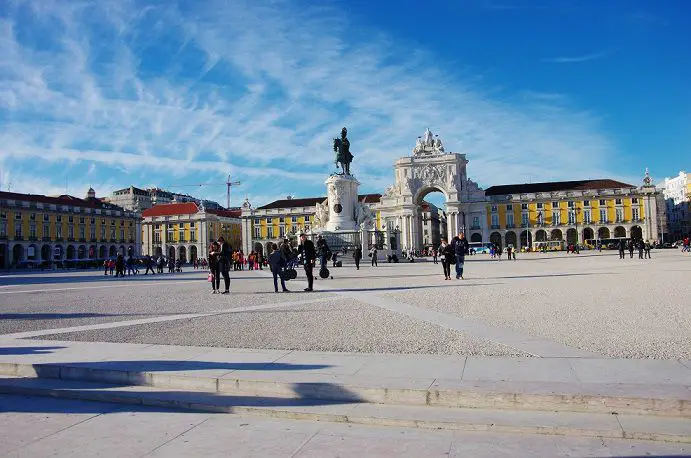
{"x":210,"y":277}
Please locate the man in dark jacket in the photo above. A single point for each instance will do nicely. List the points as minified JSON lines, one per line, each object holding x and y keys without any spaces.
{"x":622,"y":248}
{"x":460,"y":248}
{"x":277,"y":262}
{"x":309,"y":256}
{"x":357,"y":255}
{"x":225,"y":257}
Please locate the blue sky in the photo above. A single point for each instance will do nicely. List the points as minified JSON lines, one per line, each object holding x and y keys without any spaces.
{"x":113,"y":93}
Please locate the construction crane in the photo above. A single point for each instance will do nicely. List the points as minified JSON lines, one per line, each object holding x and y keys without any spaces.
{"x":229,"y":184}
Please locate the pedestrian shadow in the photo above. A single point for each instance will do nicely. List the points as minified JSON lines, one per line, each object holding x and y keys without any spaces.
{"x":181,"y":365}
{"x":456,"y":284}
{"x":70,"y":316}
{"x":27,"y":350}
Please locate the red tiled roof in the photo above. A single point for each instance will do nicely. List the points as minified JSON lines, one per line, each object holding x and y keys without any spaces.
{"x":312,"y":201}
{"x":59,"y":200}
{"x":182,"y":208}
{"x":578,"y":185}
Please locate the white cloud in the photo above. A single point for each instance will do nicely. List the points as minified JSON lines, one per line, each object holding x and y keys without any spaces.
{"x":179,"y":95}
{"x":577,"y":59}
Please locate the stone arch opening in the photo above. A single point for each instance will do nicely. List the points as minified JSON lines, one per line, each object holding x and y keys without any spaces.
{"x":495,"y":238}
{"x":32,"y":252}
{"x":430,"y":216}
{"x":526,"y":239}
{"x":603,"y":233}
{"x":541,"y":236}
{"x":171,"y":253}
{"x":93,"y":252}
{"x":113,"y":251}
{"x":556,"y":234}
{"x":588,"y":233}
{"x":121,"y":250}
{"x":476,"y":237}
{"x":103,"y":252}
{"x":182,"y":254}
{"x":81,"y":252}
{"x":17,"y":254}
{"x":45,"y":252}
{"x":193,"y":253}
{"x":510,"y":238}
{"x":259,"y":249}
{"x":619,"y":232}
{"x":637,"y":233}
{"x":70,"y":252}
{"x":571,"y":236}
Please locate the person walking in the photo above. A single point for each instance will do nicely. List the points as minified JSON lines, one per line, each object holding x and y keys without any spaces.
{"x":460,"y":249}
{"x":277,"y":262}
{"x":641,"y":246}
{"x":435,"y":256}
{"x":214,"y":267}
{"x":373,"y":252}
{"x":622,"y":248}
{"x":447,"y":256}
{"x":148,"y":262}
{"x":630,"y":244}
{"x":509,"y":249}
{"x":225,"y":257}
{"x":357,"y":255}
{"x":309,"y":256}
{"x":647,"y":248}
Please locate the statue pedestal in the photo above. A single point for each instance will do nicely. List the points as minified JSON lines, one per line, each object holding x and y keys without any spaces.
{"x":342,"y":191}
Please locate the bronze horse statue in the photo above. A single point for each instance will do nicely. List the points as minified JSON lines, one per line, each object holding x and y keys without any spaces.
{"x":342,"y":150}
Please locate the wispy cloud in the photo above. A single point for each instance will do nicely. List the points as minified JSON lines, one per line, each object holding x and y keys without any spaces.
{"x":576,"y":59}
{"x":165,"y":93}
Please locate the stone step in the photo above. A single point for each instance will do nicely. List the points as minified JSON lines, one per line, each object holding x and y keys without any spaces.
{"x":460,"y":419}
{"x":663,"y":401}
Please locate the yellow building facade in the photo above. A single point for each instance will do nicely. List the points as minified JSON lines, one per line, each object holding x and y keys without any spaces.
{"x":185,"y":230}
{"x":585,"y":212}
{"x":38,"y":229}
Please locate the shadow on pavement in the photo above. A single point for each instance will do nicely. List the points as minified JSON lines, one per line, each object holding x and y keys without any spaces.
{"x":27,"y":350}
{"x":94,"y":276}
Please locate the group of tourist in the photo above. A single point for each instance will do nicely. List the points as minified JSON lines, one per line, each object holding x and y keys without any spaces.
{"x":453,"y":254}
{"x":631,"y":245}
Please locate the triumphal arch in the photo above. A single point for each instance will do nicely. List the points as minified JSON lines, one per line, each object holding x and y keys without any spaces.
{"x":431,"y":168}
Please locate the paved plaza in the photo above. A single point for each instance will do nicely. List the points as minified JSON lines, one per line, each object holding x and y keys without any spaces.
{"x":550,"y":355}
{"x":540,"y":305}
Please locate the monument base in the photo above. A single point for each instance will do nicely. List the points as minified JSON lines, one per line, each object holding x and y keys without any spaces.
{"x":342,"y":191}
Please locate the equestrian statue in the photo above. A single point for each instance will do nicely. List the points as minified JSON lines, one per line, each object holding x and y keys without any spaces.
{"x":342,"y":150}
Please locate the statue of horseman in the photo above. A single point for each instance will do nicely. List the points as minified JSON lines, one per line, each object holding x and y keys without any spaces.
{"x":342,"y":150}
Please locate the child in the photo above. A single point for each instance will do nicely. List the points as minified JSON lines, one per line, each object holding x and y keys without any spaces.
{"x":276,"y":263}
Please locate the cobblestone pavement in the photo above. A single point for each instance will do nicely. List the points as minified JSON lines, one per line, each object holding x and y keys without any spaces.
{"x":541,"y":305}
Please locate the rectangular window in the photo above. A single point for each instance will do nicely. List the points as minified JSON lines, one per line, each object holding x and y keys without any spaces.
{"x":32,"y":216}
{"x":256,"y":220}
{"x":3,"y":215}
{"x":112,"y":222}
{"x":572,"y":217}
{"x":32,"y":230}
{"x":294,"y":219}
{"x":570,"y":204}
{"x":58,"y":218}
{"x":93,"y":221}
{"x":181,"y":235}
{"x":268,"y":221}
{"x":58,"y":231}
{"x":46,"y":217}
{"x":586,"y":203}
{"x":603,"y":216}
{"x":634,"y":214}
{"x":157,"y":237}
{"x":18,"y":215}
{"x":539,"y":205}
{"x":270,"y":232}
{"x":82,"y":232}
{"x":281,"y":220}
{"x":556,"y":217}
{"x":603,"y":202}
{"x":18,"y":230}
{"x":524,"y":219}
{"x":70,"y":219}
{"x":476,"y":221}
{"x":3,"y":228}
{"x":524,"y":206}
{"x":509,"y":219}
{"x":617,"y":201}
{"x":181,"y":225}
{"x":586,"y":216}
{"x":70,"y":232}
{"x":282,"y":231}
{"x":257,"y":233}
{"x":555,"y":203}
{"x":634,"y":200}
{"x":112,"y":233}
{"x":46,"y":230}
{"x":494,"y":208}
{"x":122,"y":235}
{"x":92,"y":232}
{"x":495,"y":221}
{"x":81,"y":220}
{"x":509,"y":207}
{"x":620,"y":215}
{"x":193,"y":233}
{"x":539,"y":217}
{"x":103,"y":232}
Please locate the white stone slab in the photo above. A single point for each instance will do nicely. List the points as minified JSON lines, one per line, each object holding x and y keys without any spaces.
{"x":638,"y":371}
{"x":519,"y":370}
